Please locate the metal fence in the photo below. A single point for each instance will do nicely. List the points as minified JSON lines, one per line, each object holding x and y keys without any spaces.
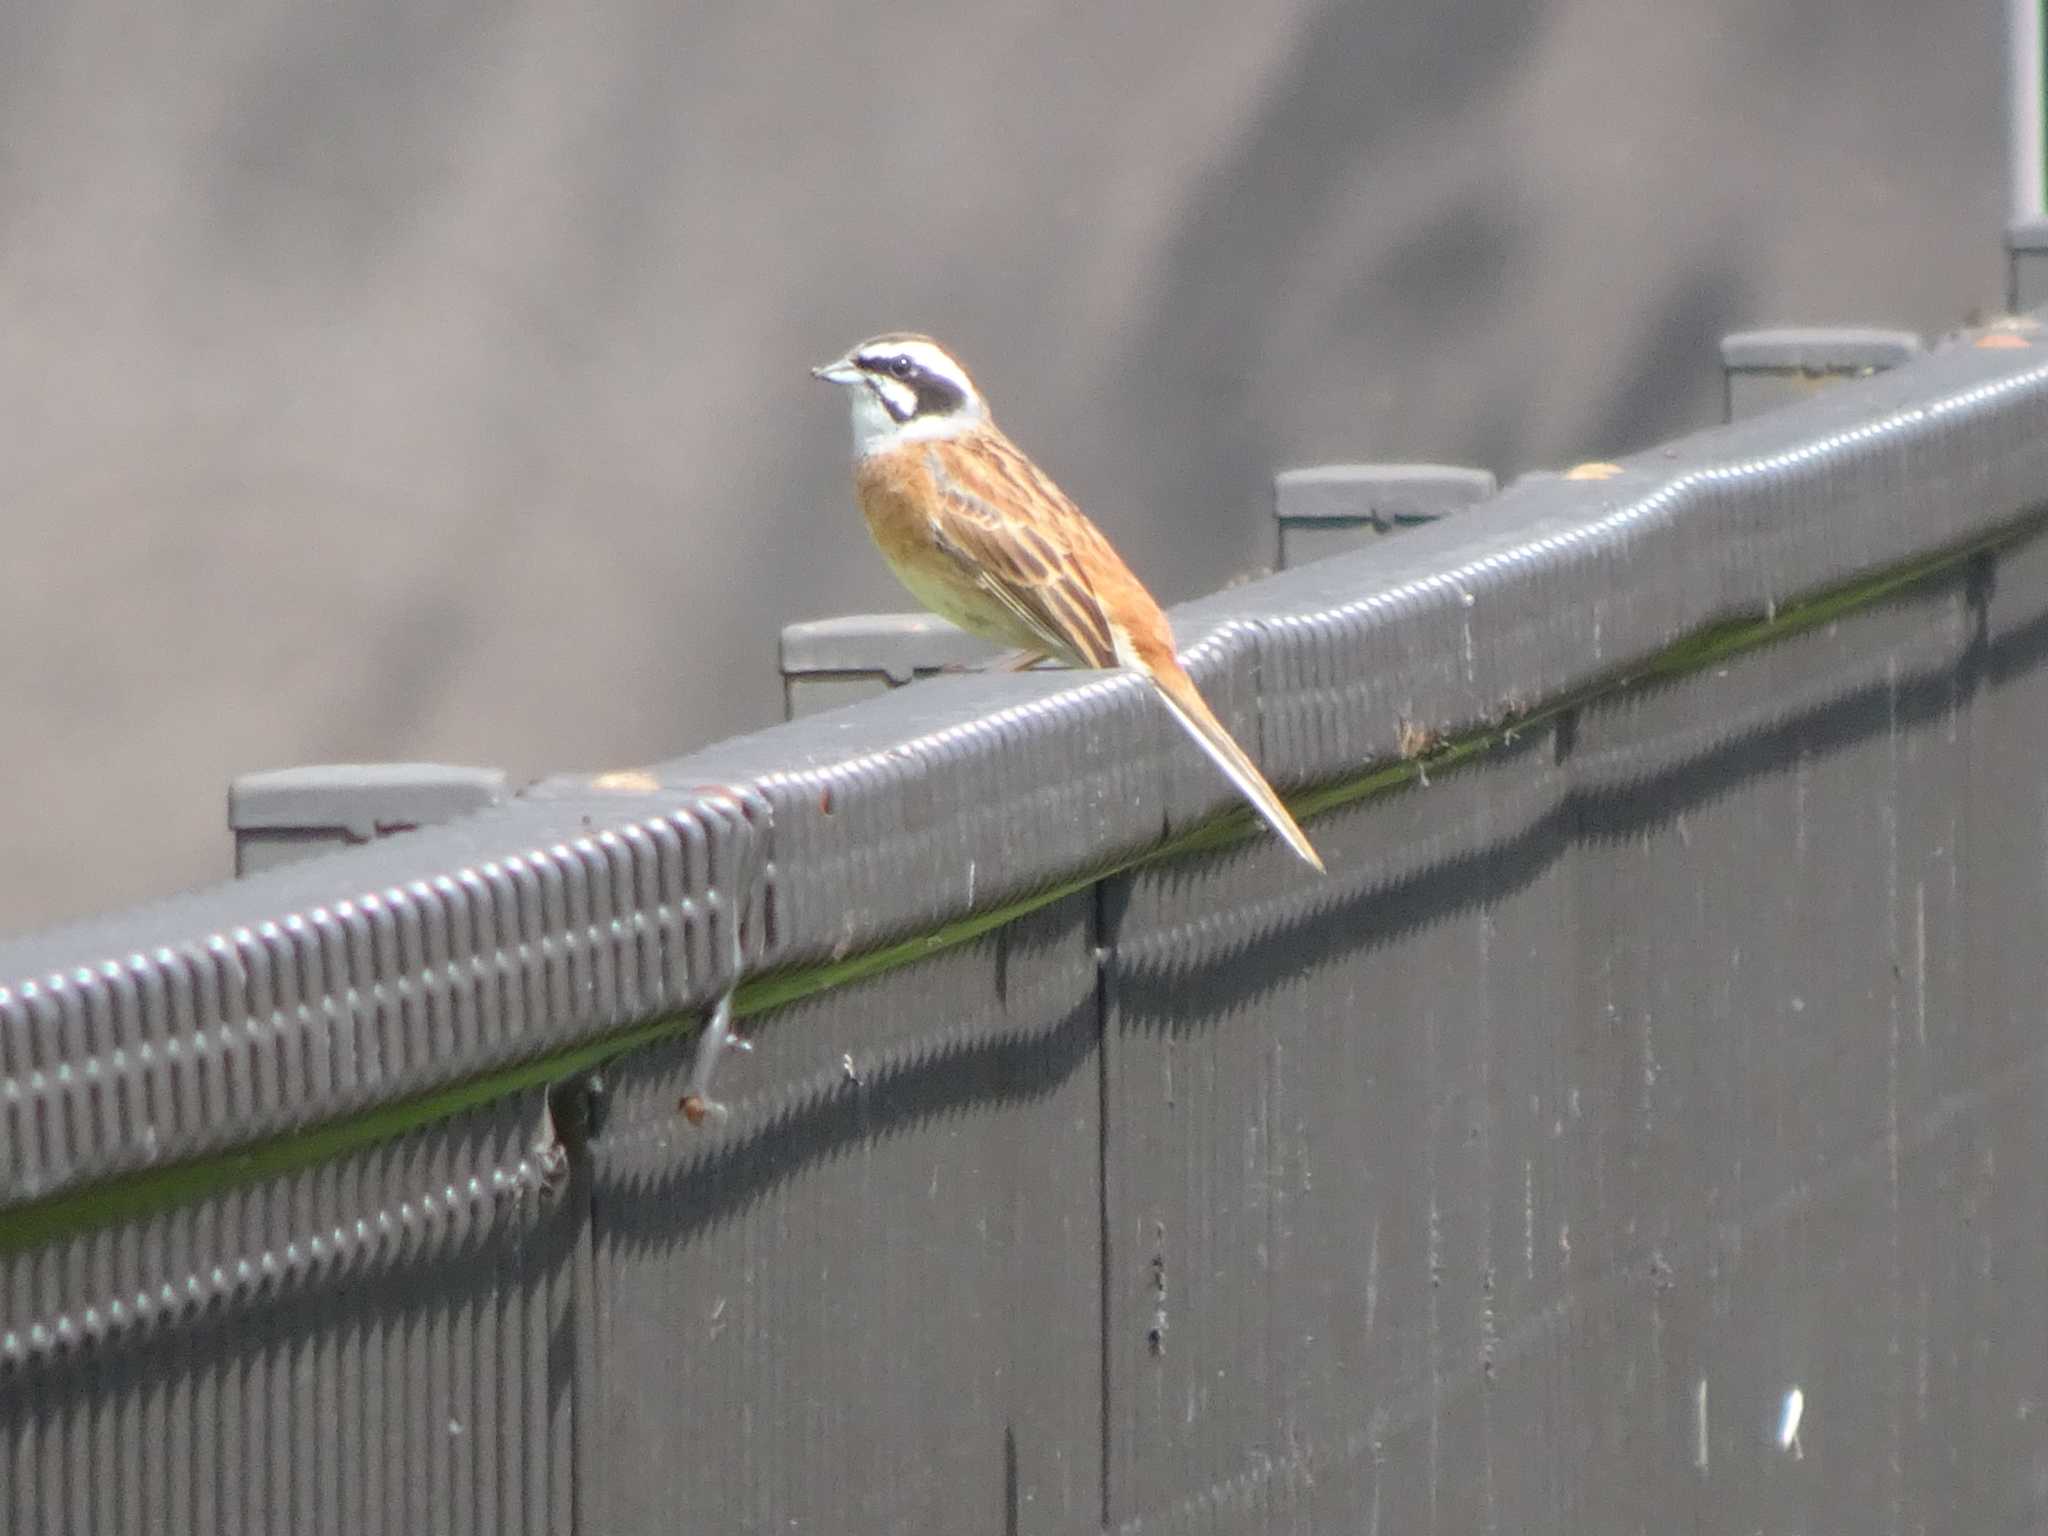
{"x":1642,"y":1126}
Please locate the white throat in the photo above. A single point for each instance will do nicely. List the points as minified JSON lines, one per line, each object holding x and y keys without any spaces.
{"x":876,"y":431}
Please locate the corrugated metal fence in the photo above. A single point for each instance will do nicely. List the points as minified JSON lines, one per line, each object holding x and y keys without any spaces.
{"x":1642,"y":1126}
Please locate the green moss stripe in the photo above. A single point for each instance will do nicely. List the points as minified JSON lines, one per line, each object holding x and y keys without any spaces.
{"x":125,"y":1197}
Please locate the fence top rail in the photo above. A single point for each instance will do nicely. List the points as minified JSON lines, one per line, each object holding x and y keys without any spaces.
{"x":594,"y":905}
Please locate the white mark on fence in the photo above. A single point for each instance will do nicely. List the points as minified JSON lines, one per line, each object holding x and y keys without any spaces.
{"x":1789,"y":1416}
{"x":1920,"y":961}
{"x":1372,"y":1277}
{"x":1529,"y":1217}
{"x":1699,"y":1425}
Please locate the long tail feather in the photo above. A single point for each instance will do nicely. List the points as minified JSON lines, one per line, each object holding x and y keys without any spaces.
{"x":1193,"y":712}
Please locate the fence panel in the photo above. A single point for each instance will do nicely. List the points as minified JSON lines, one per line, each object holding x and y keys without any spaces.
{"x":1642,"y":1123}
{"x":383,"y":1342}
{"x":871,"y":1300}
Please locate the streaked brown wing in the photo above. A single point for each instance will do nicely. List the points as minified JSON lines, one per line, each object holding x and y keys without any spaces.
{"x":1025,"y":543}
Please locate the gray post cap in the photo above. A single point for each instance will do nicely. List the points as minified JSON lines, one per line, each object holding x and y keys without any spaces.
{"x":2026,"y":264}
{"x":1817,"y":349}
{"x":1380,"y":494}
{"x":360,"y":799}
{"x":897,"y":645}
{"x":2029,"y":237}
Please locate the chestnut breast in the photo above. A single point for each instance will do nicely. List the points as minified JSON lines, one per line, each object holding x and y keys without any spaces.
{"x":897,"y":494}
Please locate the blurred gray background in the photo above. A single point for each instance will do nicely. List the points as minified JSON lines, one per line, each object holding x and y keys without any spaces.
{"x":402,"y":380}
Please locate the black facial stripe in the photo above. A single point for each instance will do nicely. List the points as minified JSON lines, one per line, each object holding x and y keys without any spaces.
{"x":936,"y":394}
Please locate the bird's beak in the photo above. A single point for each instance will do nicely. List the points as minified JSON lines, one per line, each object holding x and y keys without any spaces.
{"x":839,"y":371}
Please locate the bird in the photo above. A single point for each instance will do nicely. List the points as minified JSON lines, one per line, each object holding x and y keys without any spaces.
{"x":983,"y":537}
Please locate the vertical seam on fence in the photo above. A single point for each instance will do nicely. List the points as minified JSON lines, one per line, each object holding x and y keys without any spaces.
{"x":580,"y":1102}
{"x":1103,"y":943}
{"x":585,"y":1357}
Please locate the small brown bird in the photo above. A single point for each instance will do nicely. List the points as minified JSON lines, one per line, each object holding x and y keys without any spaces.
{"x":981,"y":536}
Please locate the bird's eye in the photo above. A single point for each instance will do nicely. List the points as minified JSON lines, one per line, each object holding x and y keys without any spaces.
{"x":902,"y":367}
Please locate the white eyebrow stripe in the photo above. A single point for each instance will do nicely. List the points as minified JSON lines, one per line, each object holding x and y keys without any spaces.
{"x":931,"y":359}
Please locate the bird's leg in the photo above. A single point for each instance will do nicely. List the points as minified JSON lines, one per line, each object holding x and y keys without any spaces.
{"x":696,"y":1103}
